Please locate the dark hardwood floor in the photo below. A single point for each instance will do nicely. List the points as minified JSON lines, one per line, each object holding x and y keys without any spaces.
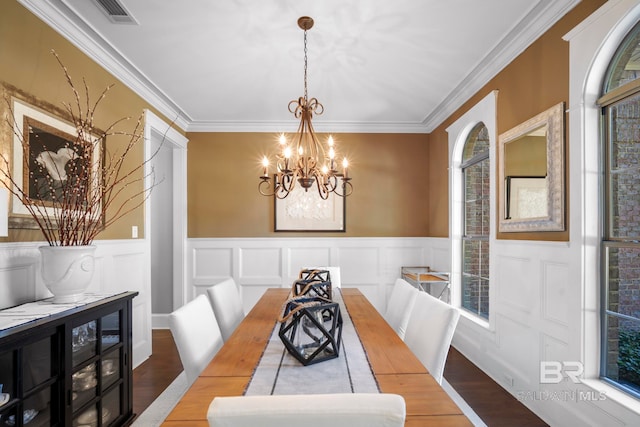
{"x":491,"y":402}
{"x":156,"y":373}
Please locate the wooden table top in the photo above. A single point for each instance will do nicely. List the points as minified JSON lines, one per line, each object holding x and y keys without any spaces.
{"x":395,"y":367}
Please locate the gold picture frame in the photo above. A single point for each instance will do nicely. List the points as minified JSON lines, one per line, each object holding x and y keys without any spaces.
{"x":37,"y":137}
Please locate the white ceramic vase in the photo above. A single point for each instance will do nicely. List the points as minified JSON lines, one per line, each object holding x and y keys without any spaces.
{"x":67,"y":271}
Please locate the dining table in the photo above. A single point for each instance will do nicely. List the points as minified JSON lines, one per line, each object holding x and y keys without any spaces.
{"x":395,"y":368}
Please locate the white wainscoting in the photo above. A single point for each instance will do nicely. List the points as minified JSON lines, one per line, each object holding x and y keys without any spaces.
{"x":536,"y":309}
{"x":121,"y":265}
{"x":371,"y":264}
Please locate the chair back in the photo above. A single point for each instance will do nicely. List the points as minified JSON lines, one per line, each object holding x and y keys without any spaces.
{"x":334,"y":273}
{"x":197,"y":335}
{"x":400,"y":305}
{"x":431,"y":326}
{"x":227,"y":306}
{"x":310,"y":410}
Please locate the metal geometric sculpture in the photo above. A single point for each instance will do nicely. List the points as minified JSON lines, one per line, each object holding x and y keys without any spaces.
{"x":313,"y":283}
{"x":311,"y":329}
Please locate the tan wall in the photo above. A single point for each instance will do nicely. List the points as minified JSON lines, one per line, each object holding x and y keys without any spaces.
{"x":400,"y":181}
{"x":535,"y":81}
{"x":27,"y":64}
{"x":389,"y":171}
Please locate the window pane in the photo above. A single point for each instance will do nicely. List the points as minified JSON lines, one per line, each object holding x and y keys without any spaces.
{"x":475,"y":295}
{"x":622,"y":352}
{"x":477,"y":219}
{"x":625,"y":66}
{"x":624,"y":281}
{"x":625,"y":206}
{"x":476,"y":257}
{"x":477,"y":199}
{"x":477,"y":142}
{"x":624,"y":122}
{"x":475,"y":244}
{"x":471,"y":256}
{"x":624,"y":159}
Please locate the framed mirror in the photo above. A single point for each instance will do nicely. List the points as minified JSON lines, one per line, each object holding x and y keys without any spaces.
{"x":531,"y":174}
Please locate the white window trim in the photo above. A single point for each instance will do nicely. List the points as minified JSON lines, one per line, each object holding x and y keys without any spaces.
{"x":485,"y":112}
{"x":592,"y":45}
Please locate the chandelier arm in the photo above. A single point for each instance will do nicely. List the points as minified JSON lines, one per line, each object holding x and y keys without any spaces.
{"x":347,"y":188}
{"x":282,"y":190}
{"x":265,"y":180}
{"x":331,"y":183}
{"x":316,"y":146}
{"x":322,"y":189}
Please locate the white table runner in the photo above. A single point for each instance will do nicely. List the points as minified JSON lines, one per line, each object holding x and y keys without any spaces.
{"x":280,"y":373}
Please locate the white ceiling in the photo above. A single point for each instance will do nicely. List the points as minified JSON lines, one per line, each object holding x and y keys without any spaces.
{"x":376,"y":65}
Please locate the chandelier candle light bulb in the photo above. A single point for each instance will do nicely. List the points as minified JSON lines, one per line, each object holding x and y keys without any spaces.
{"x":309,"y":162}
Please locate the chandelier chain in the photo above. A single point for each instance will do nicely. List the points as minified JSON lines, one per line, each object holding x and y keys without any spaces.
{"x":305,"y":65}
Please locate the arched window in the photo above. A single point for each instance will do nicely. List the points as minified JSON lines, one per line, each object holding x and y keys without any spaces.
{"x":476,"y":218}
{"x":620,"y":246}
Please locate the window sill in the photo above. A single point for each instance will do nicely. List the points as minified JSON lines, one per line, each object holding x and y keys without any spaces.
{"x":616,"y":395}
{"x":475,"y":319}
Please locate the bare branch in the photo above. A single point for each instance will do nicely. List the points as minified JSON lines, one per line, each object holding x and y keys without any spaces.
{"x":89,"y":188}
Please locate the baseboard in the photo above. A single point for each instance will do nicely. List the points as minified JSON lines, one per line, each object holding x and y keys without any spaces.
{"x":160,"y":321}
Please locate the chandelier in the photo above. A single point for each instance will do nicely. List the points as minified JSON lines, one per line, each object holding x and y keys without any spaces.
{"x":305,"y":161}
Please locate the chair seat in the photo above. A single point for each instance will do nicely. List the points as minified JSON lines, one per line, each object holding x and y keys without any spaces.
{"x":310,"y":410}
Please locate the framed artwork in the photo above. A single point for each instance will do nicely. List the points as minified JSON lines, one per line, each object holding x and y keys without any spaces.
{"x":306,"y":211}
{"x":527,"y":197}
{"x":48,"y":156}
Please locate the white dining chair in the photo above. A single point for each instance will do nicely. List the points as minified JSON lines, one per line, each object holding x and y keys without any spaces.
{"x":429,"y":332}
{"x":227,"y":306}
{"x":309,"y":410}
{"x":334,"y":273}
{"x":403,"y":297}
{"x":197,"y":335}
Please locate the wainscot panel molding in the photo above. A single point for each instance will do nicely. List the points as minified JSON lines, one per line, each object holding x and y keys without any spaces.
{"x":530,"y":309}
{"x":120,"y":265}
{"x":537,"y":310}
{"x":371,"y":264}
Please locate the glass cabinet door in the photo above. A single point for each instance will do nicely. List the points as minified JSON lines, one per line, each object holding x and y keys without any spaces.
{"x":97,"y":371}
{"x":83,"y":342}
{"x":29,"y":383}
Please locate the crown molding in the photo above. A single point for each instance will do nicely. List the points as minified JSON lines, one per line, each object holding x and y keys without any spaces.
{"x":541,"y":17}
{"x":323,"y":127}
{"x":65,"y":21}
{"x":68,"y":24}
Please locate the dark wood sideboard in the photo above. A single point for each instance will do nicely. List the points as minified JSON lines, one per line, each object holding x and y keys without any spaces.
{"x":70,"y":367}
